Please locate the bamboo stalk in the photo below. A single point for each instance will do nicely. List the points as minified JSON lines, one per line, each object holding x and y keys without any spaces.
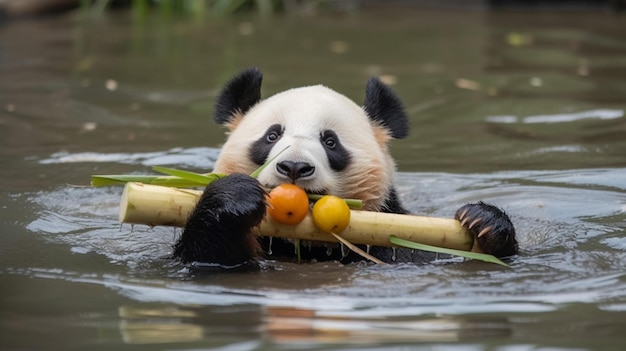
{"x":157,"y":205}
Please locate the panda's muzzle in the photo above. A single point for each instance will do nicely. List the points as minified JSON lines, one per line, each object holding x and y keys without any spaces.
{"x":295,"y":170}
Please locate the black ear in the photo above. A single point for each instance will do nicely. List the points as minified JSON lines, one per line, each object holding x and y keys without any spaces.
{"x":383,"y":106}
{"x":238,"y":95}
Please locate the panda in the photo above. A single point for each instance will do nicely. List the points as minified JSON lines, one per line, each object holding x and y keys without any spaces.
{"x":330,"y":145}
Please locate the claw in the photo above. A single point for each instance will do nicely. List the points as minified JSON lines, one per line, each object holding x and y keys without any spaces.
{"x":491,"y":228}
{"x":476,"y":221}
{"x":463,"y":222}
{"x":462,"y":215}
{"x":484,"y":231}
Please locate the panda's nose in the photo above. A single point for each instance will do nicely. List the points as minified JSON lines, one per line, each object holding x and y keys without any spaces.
{"x":295,"y":170}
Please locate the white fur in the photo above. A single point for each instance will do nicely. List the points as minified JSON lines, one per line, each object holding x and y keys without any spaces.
{"x":305,"y":113}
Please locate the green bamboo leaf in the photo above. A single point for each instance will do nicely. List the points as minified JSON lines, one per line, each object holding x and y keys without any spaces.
{"x":473,"y":255}
{"x":108,"y":180}
{"x":171,"y":181}
{"x":202,"y":179}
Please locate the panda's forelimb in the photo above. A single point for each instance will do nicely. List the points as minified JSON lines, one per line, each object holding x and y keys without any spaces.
{"x":491,"y":227}
{"x":218,"y":230}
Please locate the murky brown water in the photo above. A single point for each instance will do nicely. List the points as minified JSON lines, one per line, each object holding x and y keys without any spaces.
{"x":523,"y":110}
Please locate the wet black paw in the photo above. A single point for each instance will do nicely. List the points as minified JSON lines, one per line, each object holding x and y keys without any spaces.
{"x":218,"y":229}
{"x":492,"y":228}
{"x":234,"y":201}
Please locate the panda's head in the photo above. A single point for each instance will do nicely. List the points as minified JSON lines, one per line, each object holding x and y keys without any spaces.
{"x":327,"y":143}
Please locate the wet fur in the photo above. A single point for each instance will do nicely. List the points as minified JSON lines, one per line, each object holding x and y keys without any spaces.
{"x":218,"y":230}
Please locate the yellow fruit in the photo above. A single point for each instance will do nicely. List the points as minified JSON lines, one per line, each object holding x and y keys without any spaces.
{"x":288,"y":204}
{"x":331,"y":214}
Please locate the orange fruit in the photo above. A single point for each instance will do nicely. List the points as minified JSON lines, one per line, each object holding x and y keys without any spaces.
{"x":288,"y":204}
{"x":331,"y":214}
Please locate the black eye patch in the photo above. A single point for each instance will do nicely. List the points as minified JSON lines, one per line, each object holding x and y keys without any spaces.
{"x":260,"y":149}
{"x":338,"y":157}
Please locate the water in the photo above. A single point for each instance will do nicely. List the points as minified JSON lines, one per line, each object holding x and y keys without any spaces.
{"x":522,"y":110}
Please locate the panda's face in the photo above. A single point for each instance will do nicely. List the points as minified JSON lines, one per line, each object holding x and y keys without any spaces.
{"x":318,"y":139}
{"x":306,"y":154}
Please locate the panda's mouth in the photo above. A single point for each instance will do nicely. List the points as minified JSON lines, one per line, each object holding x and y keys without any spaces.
{"x":316,"y":192}
{"x":311,"y":191}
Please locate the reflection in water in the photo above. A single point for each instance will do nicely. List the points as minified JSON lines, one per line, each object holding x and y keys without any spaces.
{"x":286,"y":325}
{"x":141,"y":325}
{"x":293,"y":326}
